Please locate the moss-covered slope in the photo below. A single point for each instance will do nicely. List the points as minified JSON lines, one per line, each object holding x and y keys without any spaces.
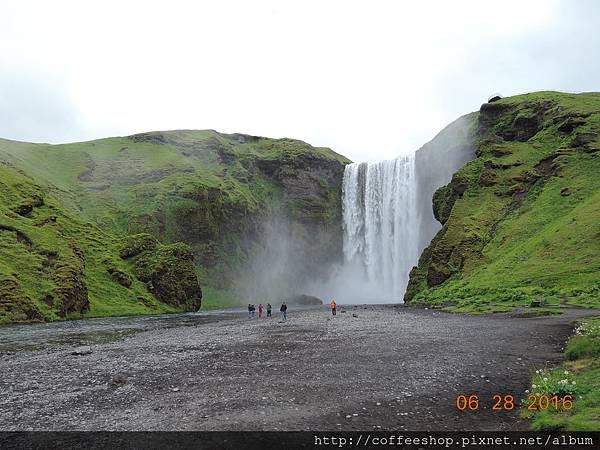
{"x":80,"y":203}
{"x":54,"y":264}
{"x":521,"y":221}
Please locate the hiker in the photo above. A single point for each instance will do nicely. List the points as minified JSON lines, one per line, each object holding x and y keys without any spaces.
{"x":333,"y":306}
{"x":269,"y":310}
{"x":283,"y":310}
{"x":249,"y":310}
{"x":253,"y":310}
{"x":260,"y":310}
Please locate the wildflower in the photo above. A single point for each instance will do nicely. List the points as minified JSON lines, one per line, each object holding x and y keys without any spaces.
{"x":573,"y":383}
{"x":566,"y":372}
{"x":545,"y":379}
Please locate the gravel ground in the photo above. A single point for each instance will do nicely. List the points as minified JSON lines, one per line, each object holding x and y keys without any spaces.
{"x":369,"y":367}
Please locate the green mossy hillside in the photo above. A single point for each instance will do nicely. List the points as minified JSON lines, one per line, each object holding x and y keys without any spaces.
{"x":214,"y":192}
{"x":521,"y":222}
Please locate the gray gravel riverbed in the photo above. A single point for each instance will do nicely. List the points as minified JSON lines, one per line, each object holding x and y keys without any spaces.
{"x":371,"y":367}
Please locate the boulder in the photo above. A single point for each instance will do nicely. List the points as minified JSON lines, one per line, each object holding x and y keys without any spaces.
{"x":304,"y":300}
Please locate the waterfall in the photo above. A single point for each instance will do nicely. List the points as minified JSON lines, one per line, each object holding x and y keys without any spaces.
{"x":381,"y":229}
{"x":388,"y":217}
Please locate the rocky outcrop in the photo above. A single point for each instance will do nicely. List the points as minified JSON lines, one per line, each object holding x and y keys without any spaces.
{"x":15,"y":305}
{"x":71,"y":292}
{"x":120,"y":277}
{"x":168,"y":270}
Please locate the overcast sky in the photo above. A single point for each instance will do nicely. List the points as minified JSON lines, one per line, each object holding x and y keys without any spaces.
{"x":371,"y":79}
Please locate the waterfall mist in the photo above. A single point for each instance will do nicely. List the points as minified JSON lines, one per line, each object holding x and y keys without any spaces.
{"x":275,"y":265}
{"x":285,"y":257}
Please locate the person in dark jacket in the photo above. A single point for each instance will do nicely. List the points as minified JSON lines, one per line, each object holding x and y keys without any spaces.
{"x":249,"y":310}
{"x":269,"y":310}
{"x":283,"y":310}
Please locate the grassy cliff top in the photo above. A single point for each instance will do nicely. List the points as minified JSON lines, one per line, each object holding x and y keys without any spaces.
{"x":175,"y":149}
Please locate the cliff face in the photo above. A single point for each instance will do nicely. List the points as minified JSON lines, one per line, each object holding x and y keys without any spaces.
{"x":521,"y":221}
{"x":206,"y":206}
{"x":435,"y":163}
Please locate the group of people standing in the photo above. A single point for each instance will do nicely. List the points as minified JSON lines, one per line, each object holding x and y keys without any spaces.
{"x":252,"y":310}
{"x":283,"y":310}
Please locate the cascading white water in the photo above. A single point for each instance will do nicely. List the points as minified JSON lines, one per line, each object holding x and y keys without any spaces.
{"x":388,"y":218}
{"x":381,"y":229}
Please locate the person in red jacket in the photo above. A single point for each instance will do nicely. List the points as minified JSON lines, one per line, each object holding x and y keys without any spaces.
{"x":333,"y":306}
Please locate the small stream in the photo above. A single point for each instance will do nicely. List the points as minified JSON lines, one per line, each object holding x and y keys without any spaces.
{"x":39,"y":336}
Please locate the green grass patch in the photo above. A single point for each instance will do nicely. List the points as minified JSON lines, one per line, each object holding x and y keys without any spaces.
{"x":579,"y":377}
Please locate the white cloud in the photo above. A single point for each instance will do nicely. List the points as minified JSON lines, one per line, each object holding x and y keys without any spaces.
{"x":369,"y":79}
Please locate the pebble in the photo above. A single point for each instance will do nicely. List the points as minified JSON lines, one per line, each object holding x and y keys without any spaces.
{"x":82,"y":351}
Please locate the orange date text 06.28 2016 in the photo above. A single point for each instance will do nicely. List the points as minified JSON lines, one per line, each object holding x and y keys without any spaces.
{"x":507,"y":402}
